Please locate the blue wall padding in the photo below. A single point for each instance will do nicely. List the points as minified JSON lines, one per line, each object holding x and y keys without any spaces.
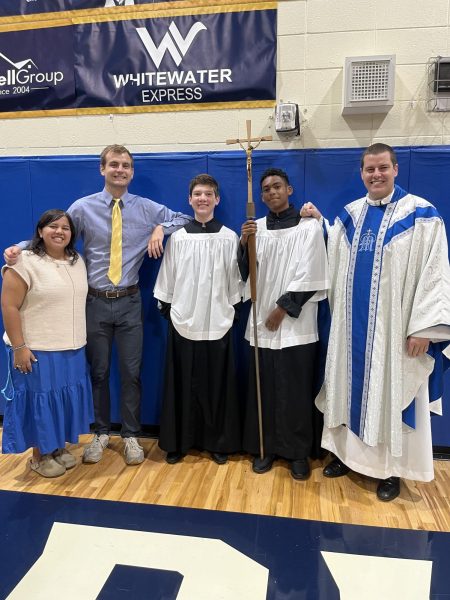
{"x":329,"y":178}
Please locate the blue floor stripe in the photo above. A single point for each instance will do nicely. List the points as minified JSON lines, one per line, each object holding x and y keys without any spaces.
{"x":289,"y":548}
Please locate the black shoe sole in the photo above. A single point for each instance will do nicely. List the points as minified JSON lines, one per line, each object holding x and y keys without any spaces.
{"x":301,"y":477}
{"x":174,"y":460}
{"x":333,"y":474}
{"x":221,"y":461}
{"x":262,"y":471}
{"x":388,"y":499}
{"x":395,"y":495}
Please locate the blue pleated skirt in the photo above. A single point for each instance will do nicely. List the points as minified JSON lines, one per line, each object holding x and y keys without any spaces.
{"x":50,"y":406}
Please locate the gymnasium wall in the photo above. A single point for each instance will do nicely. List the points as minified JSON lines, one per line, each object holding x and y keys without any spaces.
{"x":314,"y":37}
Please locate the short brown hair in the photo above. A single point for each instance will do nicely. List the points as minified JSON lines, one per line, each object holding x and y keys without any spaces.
{"x":204,"y":179}
{"x":115,"y":149}
{"x":379,"y":148}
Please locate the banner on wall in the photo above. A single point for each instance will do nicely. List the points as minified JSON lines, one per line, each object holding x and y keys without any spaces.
{"x":32,"y":78}
{"x":34,"y":7}
{"x":143,"y":61}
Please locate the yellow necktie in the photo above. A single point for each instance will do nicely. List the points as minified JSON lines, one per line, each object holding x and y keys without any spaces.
{"x":115,"y":260}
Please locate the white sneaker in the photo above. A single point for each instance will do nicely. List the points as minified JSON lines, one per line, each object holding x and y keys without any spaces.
{"x":134,"y":453}
{"x":94,"y":452}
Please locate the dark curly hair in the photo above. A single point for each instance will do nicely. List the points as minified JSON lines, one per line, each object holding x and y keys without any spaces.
{"x":37,"y":243}
{"x":272,"y":172}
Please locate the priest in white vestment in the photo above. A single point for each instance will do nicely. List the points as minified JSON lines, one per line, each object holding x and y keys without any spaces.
{"x":390,"y":305}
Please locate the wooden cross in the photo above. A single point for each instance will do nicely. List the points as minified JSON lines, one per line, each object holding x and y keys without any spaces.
{"x":251,"y":245}
{"x":248,"y":151}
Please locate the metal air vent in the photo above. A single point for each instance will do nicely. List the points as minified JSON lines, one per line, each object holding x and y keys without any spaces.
{"x":368,"y":84}
{"x":438,"y":99}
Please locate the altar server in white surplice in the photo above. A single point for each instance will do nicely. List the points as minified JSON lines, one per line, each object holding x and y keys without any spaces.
{"x":390,"y":304}
{"x":198,"y":289}
{"x":292,"y":277}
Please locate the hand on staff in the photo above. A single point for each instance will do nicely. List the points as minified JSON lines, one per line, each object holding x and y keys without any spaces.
{"x":416,"y":346}
{"x":23,"y":360}
{"x":247,"y":229}
{"x":273,"y":321}
{"x":155,"y":244}
{"x":309,"y":210}
{"x":11,"y":255}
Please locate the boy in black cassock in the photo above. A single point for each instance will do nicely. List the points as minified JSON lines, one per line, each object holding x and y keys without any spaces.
{"x":292,"y":276}
{"x":197,"y":288}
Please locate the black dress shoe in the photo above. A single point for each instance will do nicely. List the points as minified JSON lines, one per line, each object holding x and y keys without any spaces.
{"x":219,"y":457}
{"x":336,"y":468}
{"x":300,"y":468}
{"x":173,"y":457}
{"x":264,"y":465}
{"x":388,"y":489}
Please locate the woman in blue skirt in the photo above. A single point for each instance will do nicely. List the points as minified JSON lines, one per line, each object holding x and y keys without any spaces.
{"x":48,"y":392}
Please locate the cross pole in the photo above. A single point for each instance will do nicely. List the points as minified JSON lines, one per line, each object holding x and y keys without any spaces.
{"x":251,"y":245}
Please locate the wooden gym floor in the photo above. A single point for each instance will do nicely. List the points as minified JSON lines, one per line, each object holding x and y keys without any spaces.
{"x":197,"y":482}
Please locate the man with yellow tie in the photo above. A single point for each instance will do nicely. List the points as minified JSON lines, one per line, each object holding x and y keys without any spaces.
{"x":115,"y":227}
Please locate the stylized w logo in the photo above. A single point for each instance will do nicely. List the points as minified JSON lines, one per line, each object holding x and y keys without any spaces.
{"x":167,"y":43}
{"x":109,"y":3}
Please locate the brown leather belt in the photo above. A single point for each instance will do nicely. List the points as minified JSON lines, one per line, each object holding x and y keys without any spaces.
{"x":121,"y":293}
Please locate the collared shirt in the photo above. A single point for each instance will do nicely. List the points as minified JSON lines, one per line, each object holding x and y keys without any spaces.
{"x":92,"y":218}
{"x":381,"y":202}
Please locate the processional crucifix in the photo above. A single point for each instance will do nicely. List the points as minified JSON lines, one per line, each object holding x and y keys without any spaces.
{"x":251,"y":246}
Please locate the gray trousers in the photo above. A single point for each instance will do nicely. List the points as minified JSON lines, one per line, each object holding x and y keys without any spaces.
{"x":118,"y":319}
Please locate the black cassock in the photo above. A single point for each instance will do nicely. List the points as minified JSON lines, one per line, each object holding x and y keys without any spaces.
{"x":200,"y":407}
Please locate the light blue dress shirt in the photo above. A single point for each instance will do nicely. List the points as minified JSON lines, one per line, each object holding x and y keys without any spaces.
{"x":92,"y":218}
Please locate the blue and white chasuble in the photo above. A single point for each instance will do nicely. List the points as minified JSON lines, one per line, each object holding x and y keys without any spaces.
{"x":389,"y":279}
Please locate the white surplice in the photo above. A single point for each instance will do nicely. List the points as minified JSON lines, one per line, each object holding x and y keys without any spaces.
{"x":289,"y":260}
{"x":199,"y":277}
